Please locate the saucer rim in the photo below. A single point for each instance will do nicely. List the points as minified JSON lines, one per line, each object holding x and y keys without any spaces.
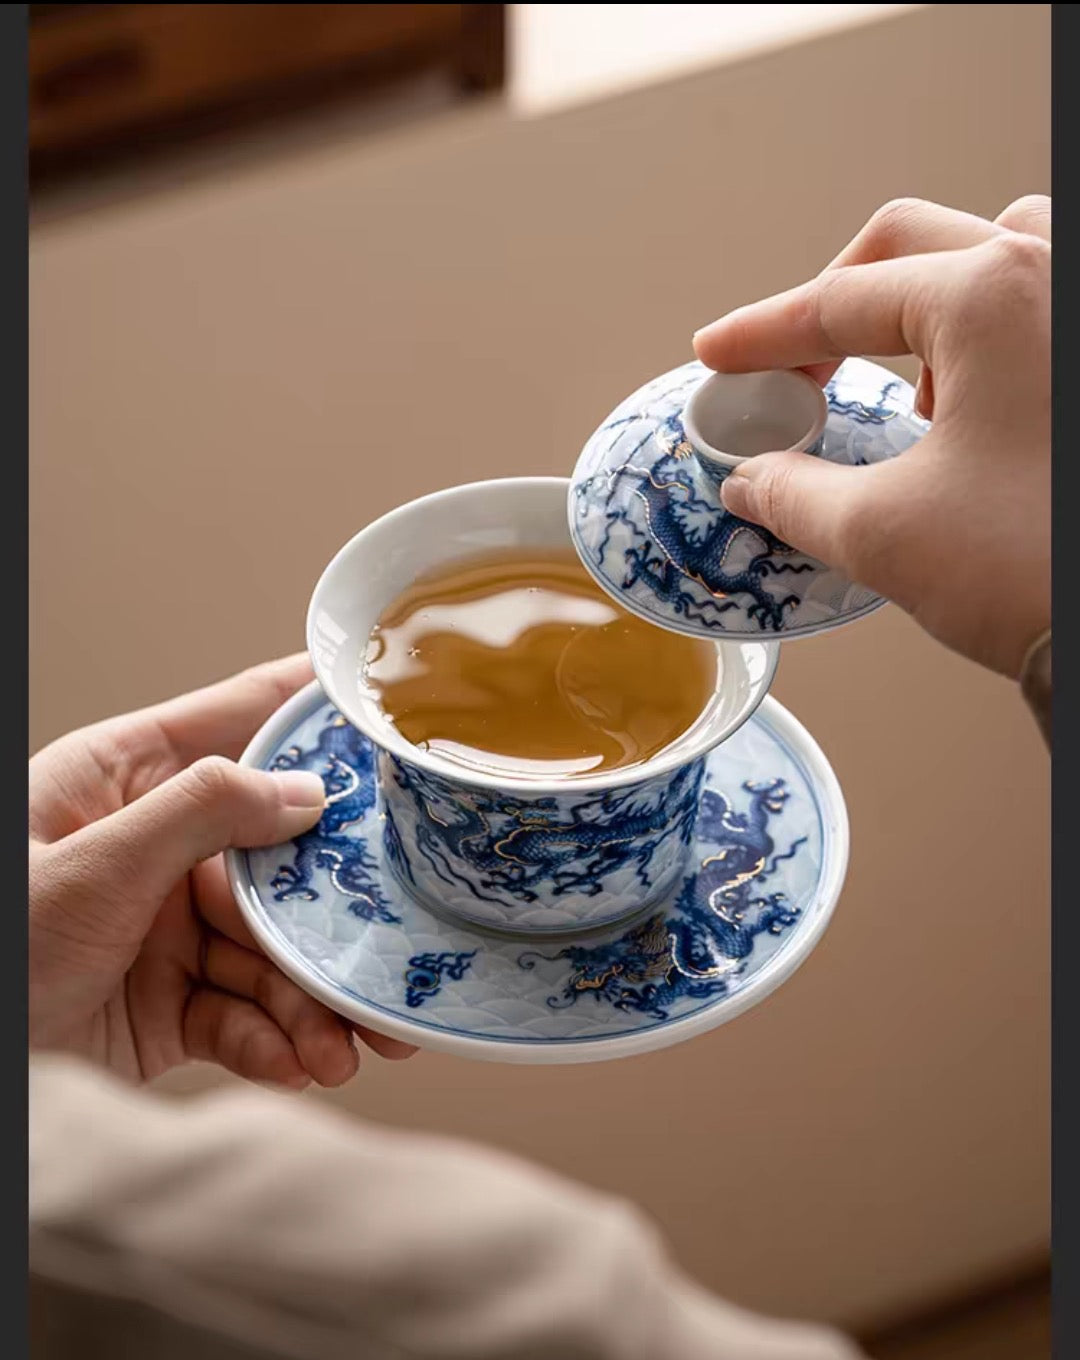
{"x":832,"y":811}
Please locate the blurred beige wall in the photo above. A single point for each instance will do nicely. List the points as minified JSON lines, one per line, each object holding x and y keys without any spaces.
{"x":233,"y":374}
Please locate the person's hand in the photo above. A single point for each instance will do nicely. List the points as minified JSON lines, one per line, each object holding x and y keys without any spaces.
{"x":138,"y":957}
{"x":956,"y":530}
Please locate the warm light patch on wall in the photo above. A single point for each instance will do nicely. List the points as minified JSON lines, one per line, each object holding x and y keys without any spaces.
{"x":565,"y":54}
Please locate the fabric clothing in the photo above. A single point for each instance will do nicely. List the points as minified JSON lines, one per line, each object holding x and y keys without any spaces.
{"x":245,"y":1223}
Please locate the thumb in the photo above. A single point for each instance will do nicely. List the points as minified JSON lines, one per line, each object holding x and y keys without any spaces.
{"x":142,"y":850}
{"x":806,"y":501}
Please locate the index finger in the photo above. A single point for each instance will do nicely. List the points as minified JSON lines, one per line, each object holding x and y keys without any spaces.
{"x":100,"y":768}
{"x":884,"y":308}
{"x":221,"y":719}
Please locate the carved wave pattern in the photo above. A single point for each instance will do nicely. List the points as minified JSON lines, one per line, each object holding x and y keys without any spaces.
{"x":756,"y":855}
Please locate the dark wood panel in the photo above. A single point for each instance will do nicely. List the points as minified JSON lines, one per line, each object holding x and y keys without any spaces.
{"x":102,"y":76}
{"x":1006,"y":1321}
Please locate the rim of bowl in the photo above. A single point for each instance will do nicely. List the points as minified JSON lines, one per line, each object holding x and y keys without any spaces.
{"x":387,"y":738}
{"x":776,"y":971}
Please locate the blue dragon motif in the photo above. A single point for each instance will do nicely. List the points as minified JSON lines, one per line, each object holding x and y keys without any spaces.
{"x":425,"y":973}
{"x":697,"y":950}
{"x":693,"y":949}
{"x":691,"y":537}
{"x":546,"y":843}
{"x":345,"y":761}
{"x":675,"y":542}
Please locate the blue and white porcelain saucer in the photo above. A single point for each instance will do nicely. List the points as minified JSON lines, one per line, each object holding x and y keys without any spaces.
{"x":767,"y":864}
{"x":646,"y":518}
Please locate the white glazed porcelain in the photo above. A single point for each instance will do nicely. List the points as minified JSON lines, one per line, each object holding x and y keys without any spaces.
{"x":514,"y":854}
{"x":647,"y":520}
{"x":766,"y":865}
{"x":732,"y":416}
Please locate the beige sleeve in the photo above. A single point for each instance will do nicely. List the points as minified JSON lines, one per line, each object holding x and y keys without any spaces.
{"x":283,"y":1226}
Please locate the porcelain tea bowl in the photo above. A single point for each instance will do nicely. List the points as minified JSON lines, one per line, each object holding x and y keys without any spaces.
{"x":519,"y":855}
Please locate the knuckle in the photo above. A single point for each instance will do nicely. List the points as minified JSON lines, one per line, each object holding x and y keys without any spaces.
{"x":773,"y":498}
{"x":257,"y":680}
{"x":894,"y":220}
{"x":1010,"y":275}
{"x":1026,"y":211}
{"x":825,"y":303}
{"x":1025,"y":255}
{"x":211,"y":779}
{"x":1017,"y":262}
{"x":264,"y":989}
{"x":269,"y":678}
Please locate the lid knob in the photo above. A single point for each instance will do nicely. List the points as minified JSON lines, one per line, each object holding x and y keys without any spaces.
{"x":730,"y":417}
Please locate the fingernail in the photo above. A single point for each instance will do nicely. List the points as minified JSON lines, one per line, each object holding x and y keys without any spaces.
{"x":301,"y":789}
{"x":736,"y":491}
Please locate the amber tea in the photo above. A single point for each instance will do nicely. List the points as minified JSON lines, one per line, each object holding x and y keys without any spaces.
{"x":515,"y":660}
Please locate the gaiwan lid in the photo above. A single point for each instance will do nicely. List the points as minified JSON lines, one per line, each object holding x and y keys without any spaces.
{"x":645,"y":511}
